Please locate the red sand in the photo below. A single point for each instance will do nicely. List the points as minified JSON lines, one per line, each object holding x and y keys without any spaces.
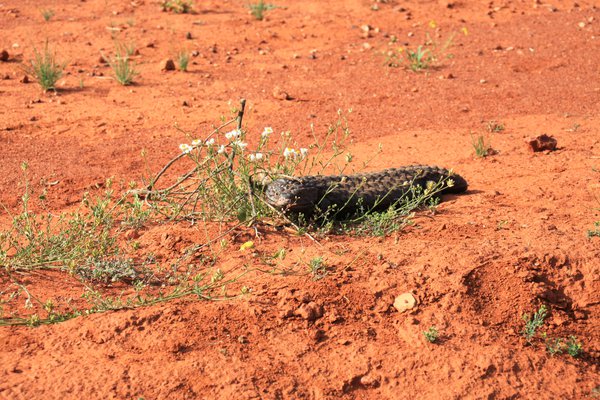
{"x":516,"y":240}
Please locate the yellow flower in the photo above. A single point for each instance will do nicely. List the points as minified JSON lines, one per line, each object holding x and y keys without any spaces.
{"x":248,"y":245}
{"x":432,"y":24}
{"x":464,"y":30}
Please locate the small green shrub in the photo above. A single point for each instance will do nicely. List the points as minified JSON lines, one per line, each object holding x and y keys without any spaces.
{"x":178,"y":6}
{"x":594,"y":232}
{"x":318,"y":268}
{"x":481,"y":146}
{"x":183,"y":59}
{"x":574,"y":347}
{"x":45,"y":68}
{"x":121,"y":64}
{"x":47,"y":14}
{"x":425,"y":56}
{"x":555,"y":346}
{"x":533,"y":323}
{"x":258,"y":9}
{"x":432,"y":334}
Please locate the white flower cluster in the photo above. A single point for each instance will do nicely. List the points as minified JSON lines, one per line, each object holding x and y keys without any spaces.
{"x":290,"y":153}
{"x":234,"y":134}
{"x":234,"y":142}
{"x":255,"y":157}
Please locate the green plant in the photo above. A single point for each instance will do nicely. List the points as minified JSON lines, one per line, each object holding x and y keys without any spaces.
{"x":419,"y":59}
{"x":426,"y":55}
{"x":595,"y":232}
{"x":45,"y":68}
{"x":178,"y":6}
{"x":47,"y":14}
{"x":481,"y":146}
{"x":258,"y":9}
{"x":574,"y":347}
{"x":108,"y":270}
{"x":121,"y":64}
{"x":182,"y":58}
{"x":371,"y":223}
{"x":432,"y":334}
{"x":495,"y":126}
{"x":318,"y":268}
{"x":135,"y":213}
{"x":554,"y":346}
{"x":43,"y":240}
{"x":533,"y":323}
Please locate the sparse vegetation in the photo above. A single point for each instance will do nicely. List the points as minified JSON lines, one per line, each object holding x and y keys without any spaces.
{"x":258,"y":9}
{"x":481,"y":146}
{"x":47,"y":14}
{"x":317,"y":268}
{"x":178,"y":6}
{"x":421,"y":58}
{"x":182,"y":58}
{"x":558,"y":346}
{"x":45,"y":68}
{"x":432,"y":334}
{"x":495,"y":126}
{"x":121,"y":64}
{"x":574,"y":347}
{"x":554,"y":346}
{"x":594,"y":232}
{"x":533,"y":323}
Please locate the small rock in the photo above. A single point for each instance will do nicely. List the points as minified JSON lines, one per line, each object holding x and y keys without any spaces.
{"x":405,"y":301}
{"x":131,"y":234}
{"x":280,"y":94}
{"x":102,"y":60}
{"x":369,"y":381}
{"x":167,"y":65}
{"x":319,"y":335}
{"x":310,"y":311}
{"x":3,"y":55}
{"x":541,"y":143}
{"x":24,"y":79}
{"x":188,"y":36}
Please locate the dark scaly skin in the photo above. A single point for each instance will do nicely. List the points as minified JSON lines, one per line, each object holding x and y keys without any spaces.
{"x":374,"y":191}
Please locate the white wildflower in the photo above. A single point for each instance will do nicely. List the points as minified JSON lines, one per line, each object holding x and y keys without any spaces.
{"x":290,"y":153}
{"x":196,"y":142}
{"x":255,"y":157}
{"x":210,"y":142}
{"x":221,"y":149}
{"x":268,"y":130}
{"x":241,"y":145}
{"x":185,"y":148}
{"x":234,"y":134}
{"x":303,"y":152}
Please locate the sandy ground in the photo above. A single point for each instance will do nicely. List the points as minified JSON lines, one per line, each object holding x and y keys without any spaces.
{"x":514,"y":241}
